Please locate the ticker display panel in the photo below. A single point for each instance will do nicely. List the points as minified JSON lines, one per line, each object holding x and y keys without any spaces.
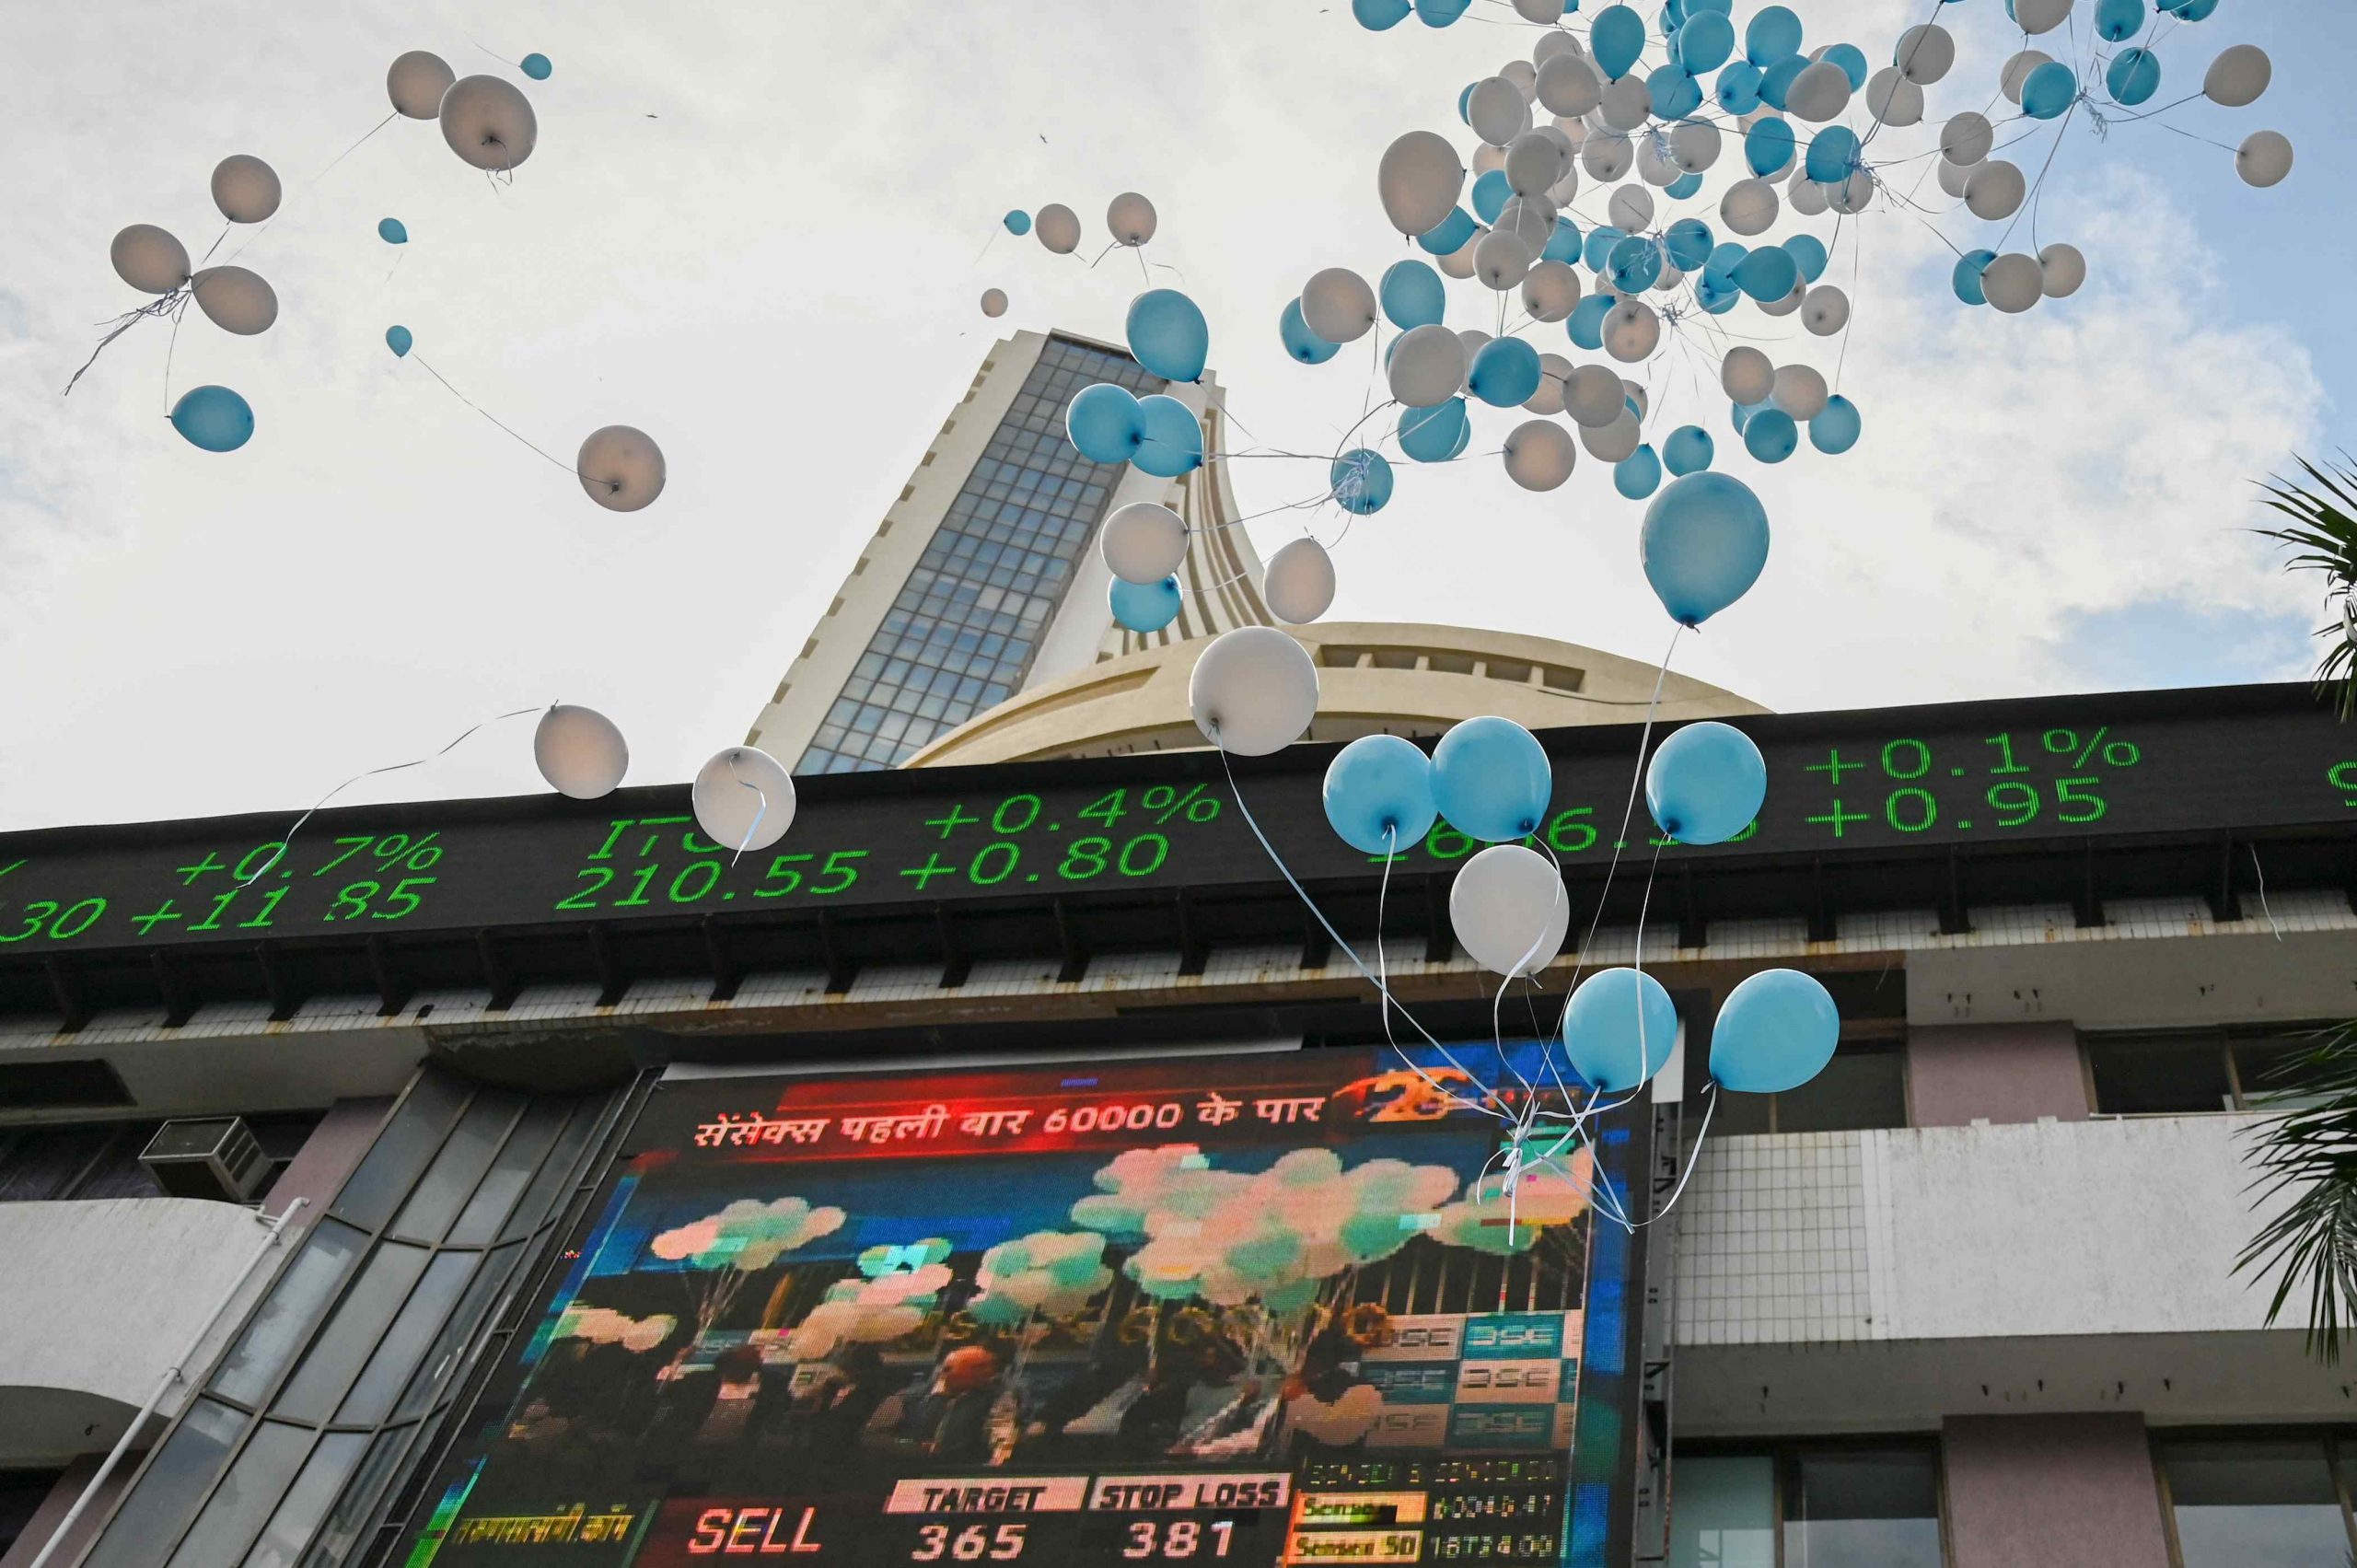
{"x":1248,"y":1310}
{"x":1839,"y":784}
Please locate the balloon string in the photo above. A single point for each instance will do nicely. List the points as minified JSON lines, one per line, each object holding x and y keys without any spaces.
{"x":760,"y":811}
{"x":216,"y":243}
{"x":170,"y":345}
{"x":454,"y":391}
{"x":393,"y":768}
{"x":313,"y":183}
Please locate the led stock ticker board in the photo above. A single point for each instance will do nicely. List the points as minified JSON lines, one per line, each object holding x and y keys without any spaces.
{"x":1991,"y":773}
{"x":1241,"y":1310}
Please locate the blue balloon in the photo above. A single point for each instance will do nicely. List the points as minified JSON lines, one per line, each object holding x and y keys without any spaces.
{"x":1411,"y":295}
{"x":1767,"y":147}
{"x":1017,"y":222}
{"x":1675,"y":94}
{"x":1768,"y":273}
{"x":1380,"y":794}
{"x":1620,"y":1029}
{"x":1682,"y":187}
{"x":1771,"y":435}
{"x":1600,"y":241}
{"x":1463,"y":439}
{"x":1360,"y":481}
{"x":1705,"y":784}
{"x":1440,"y":13}
{"x":1774,"y":34}
{"x":214,"y":419}
{"x":2047,"y":92}
{"x":1104,"y":423}
{"x":537,"y":67}
{"x":1832,"y":153}
{"x":1450,"y":237}
{"x":1168,"y":335}
{"x":1740,"y":414}
{"x":1852,"y":61}
{"x":1563,"y":245}
{"x":1704,"y":543}
{"x":1377,"y":15}
{"x":1490,"y":194}
{"x":1430,"y":435}
{"x":1585,"y":326}
{"x":398,"y":339}
{"x":1696,"y":7}
{"x":1836,"y":428}
{"x":1777,"y":80}
{"x":2115,"y":21}
{"x":1637,"y":475}
{"x":1504,"y":373}
{"x":2134,"y":76}
{"x":1738,"y":87}
{"x":1615,"y":39}
{"x":1172,"y":440}
{"x":1775,"y":1031}
{"x":1465,"y":103}
{"x":1807,"y":252}
{"x":1966,"y":280}
{"x":2189,"y":10}
{"x":1146,"y":606}
{"x":1299,"y":340}
{"x":1716,"y":295}
{"x":1492,"y":779}
{"x":1689,"y":450}
{"x":391,"y":231}
{"x":1705,"y":42}
{"x":1724,"y":259}
{"x":1690,"y":243}
{"x":1634,"y":263}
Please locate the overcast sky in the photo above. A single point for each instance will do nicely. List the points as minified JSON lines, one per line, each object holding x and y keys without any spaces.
{"x":751,"y":229}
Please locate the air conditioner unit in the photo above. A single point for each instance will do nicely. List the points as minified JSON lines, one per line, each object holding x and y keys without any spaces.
{"x":212,"y":1157}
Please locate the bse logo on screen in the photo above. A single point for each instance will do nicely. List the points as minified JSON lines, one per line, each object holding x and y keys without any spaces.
{"x":1478,"y":1426}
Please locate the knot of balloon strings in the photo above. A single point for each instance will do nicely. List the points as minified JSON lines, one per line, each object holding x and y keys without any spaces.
{"x":760,"y":811}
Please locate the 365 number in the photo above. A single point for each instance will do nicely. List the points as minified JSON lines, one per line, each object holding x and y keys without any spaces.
{"x":971,"y":1544}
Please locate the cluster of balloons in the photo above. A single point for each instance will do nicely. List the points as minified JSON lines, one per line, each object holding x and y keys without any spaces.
{"x":1130,"y":219}
{"x":743,"y":798}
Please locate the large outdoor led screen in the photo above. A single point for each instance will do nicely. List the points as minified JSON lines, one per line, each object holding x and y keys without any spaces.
{"x":1248,"y":1310}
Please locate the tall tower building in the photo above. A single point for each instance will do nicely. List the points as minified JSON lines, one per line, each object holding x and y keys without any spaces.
{"x":982,"y":581}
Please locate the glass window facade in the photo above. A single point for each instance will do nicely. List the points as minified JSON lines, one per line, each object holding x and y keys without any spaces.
{"x":1865,"y":1086}
{"x":962,"y":631}
{"x":2267,"y":1501}
{"x":2182,"y":1073}
{"x":1815,"y":1505}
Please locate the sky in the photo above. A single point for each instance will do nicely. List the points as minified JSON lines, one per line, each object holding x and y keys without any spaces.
{"x":760,"y":232}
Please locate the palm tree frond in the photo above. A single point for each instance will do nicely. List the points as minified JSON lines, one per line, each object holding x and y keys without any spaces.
{"x":2324,"y":510}
{"x":2308,"y":1155}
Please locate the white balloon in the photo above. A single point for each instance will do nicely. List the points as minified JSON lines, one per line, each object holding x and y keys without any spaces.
{"x":1637,"y":396}
{"x":1575,"y":129}
{"x":1474,"y":340}
{"x":1630,"y":209}
{"x":416,"y":83}
{"x":1552,"y":44}
{"x":2238,"y":76}
{"x":489,"y":123}
{"x":1805,"y":195}
{"x":1925,"y":53}
{"x":1253,"y":691}
{"x":579,"y":751}
{"x":1694,"y":145}
{"x":1851,"y":195}
{"x":1142,"y":542}
{"x":1487,"y":157}
{"x":1551,"y":291}
{"x":1669,"y":279}
{"x":1509,"y":909}
{"x":1418,"y":180}
{"x":1130,"y":218}
{"x":1569,"y":85}
{"x":1530,"y":219}
{"x":1540,"y":11}
{"x":1966,"y":139}
{"x":2264,"y":159}
{"x":1458,"y":263}
{"x":1631,"y":331}
{"x":1747,"y":374}
{"x":245,"y":188}
{"x":1954,"y":178}
{"x":1554,"y":374}
{"x":1892,"y":98}
{"x":994,"y":302}
{"x":235,"y":299}
{"x":1654,"y":166}
{"x":1533,"y":162}
{"x":1593,"y":397}
{"x":1337,"y":306}
{"x":1058,"y":227}
{"x":1605,"y":154}
{"x":1299,"y":583}
{"x":2040,"y":16}
{"x":149,"y":259}
{"x":1787,"y":304}
{"x":2014,"y":282}
{"x":1750,"y":206}
{"x":1825,"y":310}
{"x":621,"y":469}
{"x":1523,"y":75}
{"x":1501,"y":260}
{"x":2016,"y":71}
{"x":2062,"y":269}
{"x":1427,"y":367}
{"x":1995,"y":190}
{"x":1497,"y":110}
{"x":1818,"y":93}
{"x":1539,"y":454}
{"x":743,"y":799}
{"x":1799,"y":391}
{"x":1627,"y":103}
{"x":1614,"y":441}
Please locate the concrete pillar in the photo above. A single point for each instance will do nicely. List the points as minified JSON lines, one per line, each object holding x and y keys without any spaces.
{"x":1959,"y":1073}
{"x":2052,"y":1492}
